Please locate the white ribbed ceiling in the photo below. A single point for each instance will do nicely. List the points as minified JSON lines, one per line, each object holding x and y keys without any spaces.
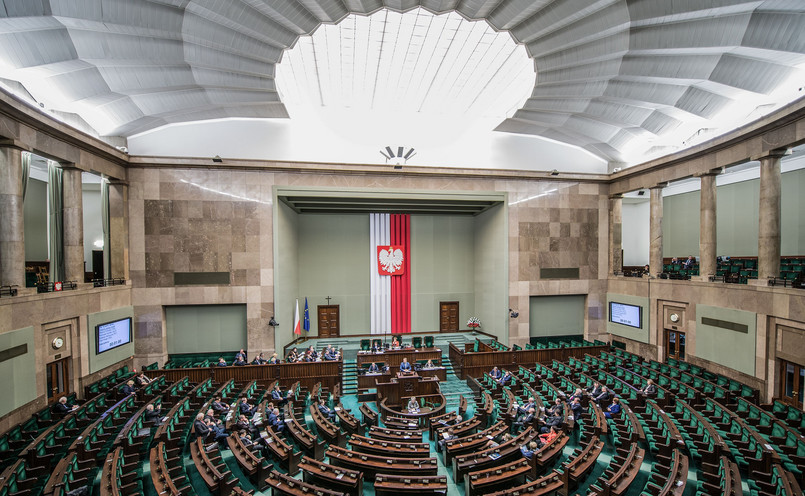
{"x":615,"y":77}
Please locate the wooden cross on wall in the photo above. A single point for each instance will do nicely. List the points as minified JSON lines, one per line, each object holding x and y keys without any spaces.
{"x":328,"y":300}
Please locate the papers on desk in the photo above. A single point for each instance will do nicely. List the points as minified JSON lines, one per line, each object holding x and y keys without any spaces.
{"x":340,"y":476}
{"x":338,"y":409}
{"x":489,"y":437}
{"x":494,"y":456}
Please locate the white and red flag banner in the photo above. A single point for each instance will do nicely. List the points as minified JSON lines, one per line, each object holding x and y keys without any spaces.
{"x":390,"y":285}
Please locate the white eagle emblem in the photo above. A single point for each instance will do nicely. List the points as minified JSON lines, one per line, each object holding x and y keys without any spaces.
{"x":390,"y":260}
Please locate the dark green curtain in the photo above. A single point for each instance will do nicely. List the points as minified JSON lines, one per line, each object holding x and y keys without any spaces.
{"x":55,"y":222}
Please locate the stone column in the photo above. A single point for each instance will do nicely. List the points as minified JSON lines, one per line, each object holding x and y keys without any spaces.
{"x":768,"y":233}
{"x":655,"y":231}
{"x":72,"y":223}
{"x":118,"y":229}
{"x":615,"y":234}
{"x":12,"y":228}
{"x":707,"y":226}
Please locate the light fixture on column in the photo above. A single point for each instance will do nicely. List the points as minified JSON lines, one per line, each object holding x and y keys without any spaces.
{"x":217,"y":159}
{"x":397,"y":157}
{"x":272,"y":322}
{"x":513,"y":313}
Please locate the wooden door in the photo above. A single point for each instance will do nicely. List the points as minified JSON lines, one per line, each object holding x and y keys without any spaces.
{"x":675,"y":345}
{"x":58,"y":379}
{"x":792,"y":384}
{"x":328,"y":321}
{"x":448,"y":316}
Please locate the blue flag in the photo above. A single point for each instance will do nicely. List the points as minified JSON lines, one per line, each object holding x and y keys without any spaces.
{"x":306,"y":324}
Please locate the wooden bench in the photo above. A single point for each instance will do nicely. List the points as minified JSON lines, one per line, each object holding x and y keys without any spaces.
{"x":492,"y":457}
{"x":250,"y":462}
{"x":302,"y":436}
{"x":113,"y":481}
{"x":544,"y":486}
{"x":282,"y":484}
{"x":492,"y":479}
{"x":444,"y":420}
{"x":391,"y":485}
{"x":348,"y":421}
{"x":326,"y":475}
{"x":395,"y":434}
{"x":372,"y":465}
{"x":461,"y":429}
{"x":616,"y":482}
{"x":546,"y":456}
{"x":581,"y":465}
{"x":369,"y":415}
{"x":473,"y":442}
{"x":164,"y":474}
{"x":283,"y":452}
{"x":213,"y":470}
{"x":675,"y":476}
{"x":328,"y":430}
{"x":723,"y":479}
{"x":391,"y":448}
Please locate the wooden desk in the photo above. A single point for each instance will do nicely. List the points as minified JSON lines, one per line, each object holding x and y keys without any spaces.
{"x":367,"y":381}
{"x":391,"y":485}
{"x":286,"y":485}
{"x":372,"y":465}
{"x":393,"y":358}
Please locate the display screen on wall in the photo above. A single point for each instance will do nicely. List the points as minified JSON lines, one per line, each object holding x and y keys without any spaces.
{"x":628,"y":315}
{"x":112,"y":334}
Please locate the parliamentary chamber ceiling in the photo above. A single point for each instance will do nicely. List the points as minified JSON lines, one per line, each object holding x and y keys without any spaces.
{"x":573,"y":85}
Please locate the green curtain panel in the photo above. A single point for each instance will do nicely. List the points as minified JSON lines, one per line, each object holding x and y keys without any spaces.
{"x":107,"y":259}
{"x":55,"y":225}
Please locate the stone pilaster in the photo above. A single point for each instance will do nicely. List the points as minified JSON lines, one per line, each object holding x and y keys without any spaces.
{"x":12,"y":230}
{"x":119,"y":229}
{"x":73,"y":223}
{"x":707,"y":226}
{"x":768,"y":233}
{"x":615,"y":234}
{"x":655,"y":231}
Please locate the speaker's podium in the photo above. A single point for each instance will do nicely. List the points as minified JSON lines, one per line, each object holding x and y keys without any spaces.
{"x":393,"y":397}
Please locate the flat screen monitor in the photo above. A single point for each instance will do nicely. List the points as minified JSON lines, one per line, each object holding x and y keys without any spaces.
{"x":628,"y":315}
{"x":113,"y":334}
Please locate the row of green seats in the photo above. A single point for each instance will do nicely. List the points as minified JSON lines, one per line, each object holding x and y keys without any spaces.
{"x":120,"y":375}
{"x":659,"y":479}
{"x":776,"y":434}
{"x":792,"y":415}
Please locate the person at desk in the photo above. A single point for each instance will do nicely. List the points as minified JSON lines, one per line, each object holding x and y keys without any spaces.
{"x":221,"y":362}
{"x":446,"y":436}
{"x":524,"y":420}
{"x":613,"y":409}
{"x":274,"y":420}
{"x":326,"y":411}
{"x":276,"y":395}
{"x":603,"y":398}
{"x":259,"y":360}
{"x":373,"y":369}
{"x":293,"y":356}
{"x":240,"y":356}
{"x":429,"y":365}
{"x":505,"y":379}
{"x":595,"y":390}
{"x":576,"y":394}
{"x":689,"y":263}
{"x":650,"y":389}
{"x":528,"y":405}
{"x":219,"y":406}
{"x":274,"y":359}
{"x":528,"y":450}
{"x":312,"y":353}
{"x":141,"y":380}
{"x":128,"y":389}
{"x":495,"y":374}
{"x":405,"y":367}
{"x":152,"y":414}
{"x":330,"y":353}
{"x":548,"y":437}
{"x":61,"y":408}
{"x":240,"y":360}
{"x":413,"y":405}
{"x":245,"y":408}
{"x":376,"y":348}
{"x":395,"y":344}
{"x":576,"y":409}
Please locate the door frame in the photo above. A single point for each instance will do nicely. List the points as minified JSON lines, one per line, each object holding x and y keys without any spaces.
{"x":51,"y":385}
{"x":793,"y":401}
{"x":666,"y":344}
{"x":458,"y":325}
{"x":319,"y":315}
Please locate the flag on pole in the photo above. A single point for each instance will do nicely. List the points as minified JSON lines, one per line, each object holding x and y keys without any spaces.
{"x":306,"y":322}
{"x":297,"y":328}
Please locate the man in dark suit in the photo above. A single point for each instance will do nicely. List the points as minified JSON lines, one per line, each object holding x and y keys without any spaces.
{"x":219,"y":406}
{"x":405,"y":366}
{"x":553,"y":421}
{"x":595,"y":390}
{"x":274,"y":420}
{"x":221,"y":362}
{"x":152,"y":414}
{"x":523,"y":409}
{"x":576,"y":408}
{"x":201,"y":428}
{"x":245,"y":407}
{"x":326,"y":411}
{"x":650,"y":389}
{"x":505,"y":379}
{"x":446,"y":436}
{"x":524,"y":420}
{"x":259,"y":360}
{"x":373,"y":368}
{"x":61,"y":408}
{"x":128,"y":389}
{"x":495,"y":373}
{"x":603,"y":398}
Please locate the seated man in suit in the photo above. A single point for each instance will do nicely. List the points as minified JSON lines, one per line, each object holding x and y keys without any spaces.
{"x":259,"y":360}
{"x":313,"y":353}
{"x":275,"y":421}
{"x":245,"y":408}
{"x":240,"y":355}
{"x":576,"y":394}
{"x":219,"y":406}
{"x":376,"y":347}
{"x":505,"y":378}
{"x":650,"y":389}
{"x":524,"y":420}
{"x":152,"y":414}
{"x":61,"y":408}
{"x":613,"y":410}
{"x":413,"y":405}
{"x":201,"y":427}
{"x":689,"y":263}
{"x":558,"y":408}
{"x":446,"y":436}
{"x":221,"y":362}
{"x":141,"y":380}
{"x":554,"y":421}
{"x":595,"y":390}
{"x":495,"y":373}
{"x":405,"y":367}
{"x":240,"y":360}
{"x":603,"y":398}
{"x":326,"y":411}
{"x":528,"y":451}
{"x":330,"y":353}
{"x":528,"y":405}
{"x":128,"y":389}
{"x":373,"y":368}
{"x":576,"y":409}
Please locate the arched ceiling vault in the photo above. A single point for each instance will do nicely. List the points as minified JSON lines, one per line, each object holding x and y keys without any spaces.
{"x":608,"y":72}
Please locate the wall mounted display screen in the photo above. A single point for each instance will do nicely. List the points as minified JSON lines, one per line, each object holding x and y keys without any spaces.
{"x":113,"y":334}
{"x":628,"y":315}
